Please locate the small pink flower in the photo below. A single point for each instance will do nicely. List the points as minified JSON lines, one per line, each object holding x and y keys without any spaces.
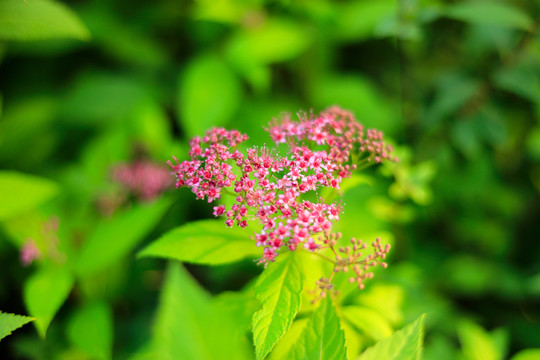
{"x":29,"y":252}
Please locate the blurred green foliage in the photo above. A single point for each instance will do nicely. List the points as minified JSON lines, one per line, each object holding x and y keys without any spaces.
{"x":87,"y":85}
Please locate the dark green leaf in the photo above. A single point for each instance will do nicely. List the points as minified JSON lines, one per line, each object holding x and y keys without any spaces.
{"x":490,"y":12}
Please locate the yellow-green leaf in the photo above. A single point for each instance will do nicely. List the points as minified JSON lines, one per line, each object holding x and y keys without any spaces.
{"x":205,"y":242}
{"x":39,"y":19}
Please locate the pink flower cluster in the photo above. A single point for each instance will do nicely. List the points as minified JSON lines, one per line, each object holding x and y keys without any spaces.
{"x":268,"y":188}
{"x":145,"y":179}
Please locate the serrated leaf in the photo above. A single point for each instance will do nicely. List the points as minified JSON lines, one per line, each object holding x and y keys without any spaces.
{"x":490,"y":12}
{"x":188,"y":325}
{"x":44,"y":293}
{"x":11,"y":322}
{"x":405,"y":344}
{"x":22,"y":192}
{"x":205,"y":242}
{"x":284,"y":346}
{"x":279,"y":290}
{"x":369,"y":321}
{"x":116,"y":237}
{"x":209,"y":95}
{"x":91,"y":330}
{"x":323,"y":338}
{"x":39,"y":19}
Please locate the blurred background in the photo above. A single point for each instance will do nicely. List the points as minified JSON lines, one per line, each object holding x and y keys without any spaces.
{"x":97,"y":95}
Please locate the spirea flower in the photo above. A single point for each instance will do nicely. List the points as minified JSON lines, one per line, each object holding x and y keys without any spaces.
{"x":268,"y":188}
{"x":29,"y":252}
{"x":144,"y":179}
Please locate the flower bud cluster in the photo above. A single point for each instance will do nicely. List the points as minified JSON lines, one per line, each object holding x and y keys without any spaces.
{"x":269,"y":188}
{"x":352,"y":259}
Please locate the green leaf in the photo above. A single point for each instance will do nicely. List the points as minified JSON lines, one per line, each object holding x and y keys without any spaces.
{"x":279,"y":290}
{"x":405,"y":344}
{"x":491,"y":13}
{"x":527,"y":354}
{"x":358,"y":19}
{"x":11,"y":322}
{"x":276,"y":40}
{"x":39,"y":19}
{"x":359,"y":95}
{"x":209,"y":95}
{"x":522,"y":79}
{"x":44,"y":293}
{"x":188,"y":325}
{"x":116,"y":237}
{"x":387,"y":299}
{"x":284,"y":346}
{"x":476,"y":343}
{"x":369,"y":321}
{"x":205,"y":242}
{"x":323,"y":338}
{"x":179,"y":327}
{"x":22,"y":192}
{"x":91,"y":330}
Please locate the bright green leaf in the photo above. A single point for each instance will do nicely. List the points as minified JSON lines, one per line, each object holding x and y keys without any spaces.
{"x":44,"y":293}
{"x":405,"y":344}
{"x":358,"y":19}
{"x":22,"y":192}
{"x":359,"y":95}
{"x":209,"y":95}
{"x":275,"y":41}
{"x":39,"y":19}
{"x":91,"y":329}
{"x":371,"y":322}
{"x":207,"y":242}
{"x":476,"y":343}
{"x":179,"y":327}
{"x":188,"y":324}
{"x":527,"y":354}
{"x":490,"y":12}
{"x":386,"y":299}
{"x":284,"y":346}
{"x":279,"y":290}
{"x":11,"y":322}
{"x":323,"y":337}
{"x":116,"y":237}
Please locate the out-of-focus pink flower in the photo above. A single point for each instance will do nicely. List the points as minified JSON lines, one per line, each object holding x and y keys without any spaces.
{"x":29,"y":252}
{"x":145,"y":179}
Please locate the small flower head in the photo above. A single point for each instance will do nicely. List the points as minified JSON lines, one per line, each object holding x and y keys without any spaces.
{"x":270,"y":189}
{"x":29,"y":252}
